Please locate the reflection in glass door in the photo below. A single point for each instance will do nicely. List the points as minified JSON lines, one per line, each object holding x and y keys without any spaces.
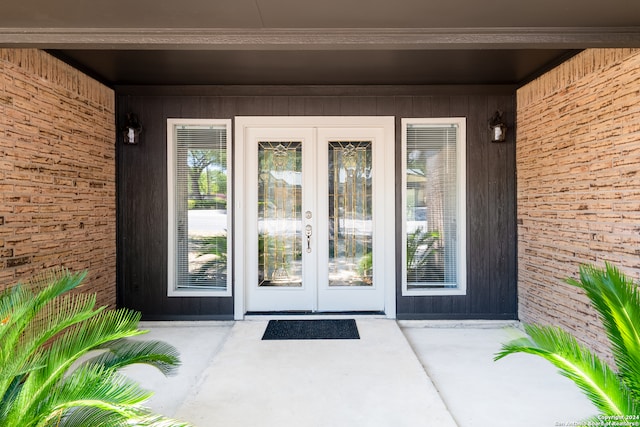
{"x":279,"y":214}
{"x":350,"y":202}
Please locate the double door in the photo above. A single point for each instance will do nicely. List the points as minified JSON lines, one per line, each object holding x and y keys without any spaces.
{"x":315,"y":213}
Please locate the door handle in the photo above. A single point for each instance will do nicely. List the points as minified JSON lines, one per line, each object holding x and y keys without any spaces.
{"x":308,"y":231}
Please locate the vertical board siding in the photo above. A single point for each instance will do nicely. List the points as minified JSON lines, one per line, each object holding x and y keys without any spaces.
{"x":142,"y":203}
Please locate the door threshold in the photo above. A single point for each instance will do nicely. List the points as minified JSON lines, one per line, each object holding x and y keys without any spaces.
{"x":309,"y":315}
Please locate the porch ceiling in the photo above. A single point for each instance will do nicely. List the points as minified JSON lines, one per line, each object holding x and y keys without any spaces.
{"x":317,"y":42}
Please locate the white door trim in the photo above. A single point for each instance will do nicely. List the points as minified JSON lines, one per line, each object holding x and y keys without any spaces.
{"x":386,"y":123}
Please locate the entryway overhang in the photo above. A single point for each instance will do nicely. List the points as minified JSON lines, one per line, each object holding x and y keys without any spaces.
{"x":320,"y":38}
{"x":261,"y":42}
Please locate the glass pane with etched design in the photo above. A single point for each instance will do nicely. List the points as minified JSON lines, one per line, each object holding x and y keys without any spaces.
{"x":279,"y":214}
{"x":350,"y":225}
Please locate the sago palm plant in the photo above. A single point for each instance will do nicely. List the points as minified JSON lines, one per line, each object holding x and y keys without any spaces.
{"x":60,"y":357}
{"x":615,"y":393}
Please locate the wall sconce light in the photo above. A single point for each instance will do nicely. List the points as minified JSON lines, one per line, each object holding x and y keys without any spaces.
{"x":498,"y":128}
{"x":131,"y":130}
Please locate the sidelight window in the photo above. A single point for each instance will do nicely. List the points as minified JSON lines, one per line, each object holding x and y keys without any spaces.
{"x":199,"y":215}
{"x":433,"y":200}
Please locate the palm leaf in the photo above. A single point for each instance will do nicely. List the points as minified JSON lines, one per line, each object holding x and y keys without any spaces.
{"x":22,"y":305}
{"x":92,"y":392}
{"x":95,"y":417}
{"x":594,"y":377}
{"x":104,"y":327}
{"x":125,"y":352}
{"x":52,"y":320}
{"x":94,"y":382}
{"x":21,"y":310}
{"x":86,"y":416}
{"x":90,"y":386}
{"x":10,"y":395}
{"x":617,"y":300}
{"x":12,"y":300}
{"x":43,"y":332}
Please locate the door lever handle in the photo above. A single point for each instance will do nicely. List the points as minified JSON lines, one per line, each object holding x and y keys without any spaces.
{"x":308,"y":231}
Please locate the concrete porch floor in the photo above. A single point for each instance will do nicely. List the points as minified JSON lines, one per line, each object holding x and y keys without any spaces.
{"x":406,"y":373}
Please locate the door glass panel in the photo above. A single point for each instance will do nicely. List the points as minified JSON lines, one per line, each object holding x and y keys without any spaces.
{"x":350,"y":225}
{"x":279,"y":214}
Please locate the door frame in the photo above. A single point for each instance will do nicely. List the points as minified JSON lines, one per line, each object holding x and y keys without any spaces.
{"x":386,"y":181}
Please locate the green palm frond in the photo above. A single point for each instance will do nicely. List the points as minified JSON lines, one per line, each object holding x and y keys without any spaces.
{"x":102,"y":328}
{"x":52,"y":320}
{"x":44,"y":331}
{"x":93,"y":382}
{"x":594,"y":377}
{"x":12,"y":304}
{"x":20,"y":306}
{"x":95,"y":386}
{"x":94,"y":417}
{"x":420,"y":246}
{"x":125,"y":352}
{"x":617,"y":300}
{"x":11,"y":395}
{"x":87,"y":416}
{"x":23,"y":331}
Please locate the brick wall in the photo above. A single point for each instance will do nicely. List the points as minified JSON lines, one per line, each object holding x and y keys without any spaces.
{"x":57,"y":171}
{"x":578,"y":191}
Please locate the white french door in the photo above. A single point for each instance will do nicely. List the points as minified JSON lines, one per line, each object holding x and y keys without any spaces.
{"x":317,"y":214}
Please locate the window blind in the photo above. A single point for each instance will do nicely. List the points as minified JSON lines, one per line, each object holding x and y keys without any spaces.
{"x":431,"y":207}
{"x":201,"y":207}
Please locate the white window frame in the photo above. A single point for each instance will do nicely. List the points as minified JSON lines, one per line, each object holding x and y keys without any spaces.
{"x":461,"y":180}
{"x":172,"y":290}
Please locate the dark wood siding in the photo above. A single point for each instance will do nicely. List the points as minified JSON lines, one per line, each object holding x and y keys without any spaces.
{"x":491,"y":191}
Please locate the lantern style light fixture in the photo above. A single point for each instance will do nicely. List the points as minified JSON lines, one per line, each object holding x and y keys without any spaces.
{"x":498,"y":128}
{"x":131,"y":130}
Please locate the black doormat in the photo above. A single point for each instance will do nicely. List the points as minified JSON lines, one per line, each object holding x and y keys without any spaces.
{"x":321,"y":329}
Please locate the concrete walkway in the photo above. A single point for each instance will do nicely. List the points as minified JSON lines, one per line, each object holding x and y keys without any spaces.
{"x":520,"y":390}
{"x":398,"y":374}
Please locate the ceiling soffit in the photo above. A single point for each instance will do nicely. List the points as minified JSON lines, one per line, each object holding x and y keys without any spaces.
{"x":271,"y":14}
{"x":320,"y":39}
{"x":317,"y":42}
